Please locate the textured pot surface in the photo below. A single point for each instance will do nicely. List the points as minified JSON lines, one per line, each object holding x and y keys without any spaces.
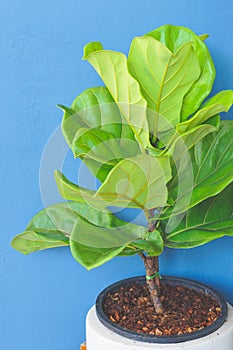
{"x":103,"y":334}
{"x":101,"y":338}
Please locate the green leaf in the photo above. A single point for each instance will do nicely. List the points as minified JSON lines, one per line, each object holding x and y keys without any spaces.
{"x":70,"y":191}
{"x":221,"y":102}
{"x":138,"y":182}
{"x":164,"y":77}
{"x":188,"y":139}
{"x":53,"y":226}
{"x":30,"y":241}
{"x":152,"y":243}
{"x":92,"y":245}
{"x":112,"y":68}
{"x":63,"y":216}
{"x":50,"y":228}
{"x":90,"y":235}
{"x":60,"y":217}
{"x":211,"y":219}
{"x":176,"y":36}
{"x":103,"y":217}
{"x":203,"y":37}
{"x":90,"y":257}
{"x":94,"y":46}
{"x":99,"y":170}
{"x":130,"y":251}
{"x":95,"y":109}
{"x":211,"y":162}
{"x":103,"y":146}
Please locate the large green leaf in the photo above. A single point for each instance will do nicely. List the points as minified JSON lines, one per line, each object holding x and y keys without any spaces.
{"x":137,"y":182}
{"x":211,"y":161}
{"x":174,"y":37}
{"x":95,"y":109}
{"x":50,"y":228}
{"x":92,"y":246}
{"x":130,"y":251}
{"x":221,"y":102}
{"x":152,"y":243}
{"x":125,"y":90}
{"x":182,"y":142}
{"x":164,"y":77}
{"x":53,"y":226}
{"x":70,"y":191}
{"x":90,"y":235}
{"x":91,"y":257}
{"x":60,"y":217}
{"x":30,"y":241}
{"x":63,"y":217}
{"x":102,"y":146}
{"x":211,"y":219}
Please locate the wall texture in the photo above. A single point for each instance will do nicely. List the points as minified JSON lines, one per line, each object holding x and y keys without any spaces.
{"x":44,"y":297}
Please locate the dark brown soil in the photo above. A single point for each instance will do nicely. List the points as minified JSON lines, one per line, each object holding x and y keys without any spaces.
{"x":185,"y":310}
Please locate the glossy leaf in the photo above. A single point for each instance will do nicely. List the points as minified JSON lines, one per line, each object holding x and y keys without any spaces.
{"x":95,"y":109}
{"x":102,"y":244}
{"x":203,"y":37}
{"x":90,"y":235}
{"x":189,"y":138}
{"x":30,"y":241}
{"x":91,"y":257}
{"x":63,"y":216}
{"x":70,"y":191}
{"x":164,"y":77}
{"x":205,"y":222}
{"x":176,"y":36}
{"x":98,"y":109}
{"x":125,"y":90}
{"x":138,"y":182}
{"x":152,"y":243}
{"x":103,"y":146}
{"x":221,"y":102}
{"x":93,"y":245}
{"x":99,"y":170}
{"x":60,"y":217}
{"x":53,"y":226}
{"x":130,"y":251}
{"x":50,"y":228}
{"x":211,"y":161}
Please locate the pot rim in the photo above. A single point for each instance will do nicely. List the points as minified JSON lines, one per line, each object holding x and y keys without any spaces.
{"x":164,"y":339}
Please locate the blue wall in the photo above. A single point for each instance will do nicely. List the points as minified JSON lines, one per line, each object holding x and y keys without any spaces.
{"x":44,"y":297}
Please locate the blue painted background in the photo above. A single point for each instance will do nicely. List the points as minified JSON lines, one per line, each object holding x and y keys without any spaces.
{"x":44,"y":297}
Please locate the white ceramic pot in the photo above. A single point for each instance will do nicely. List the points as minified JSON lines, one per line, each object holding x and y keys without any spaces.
{"x":101,"y":338}
{"x":102,"y":334}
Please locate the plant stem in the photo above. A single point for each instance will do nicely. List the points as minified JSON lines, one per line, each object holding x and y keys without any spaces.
{"x":151,"y":264}
{"x":153,"y":284}
{"x":142,"y":256}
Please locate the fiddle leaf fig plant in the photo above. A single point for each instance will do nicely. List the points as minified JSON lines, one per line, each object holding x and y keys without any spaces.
{"x":155,"y":141}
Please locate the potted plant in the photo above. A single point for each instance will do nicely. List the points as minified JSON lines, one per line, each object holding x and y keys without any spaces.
{"x":155,"y":143}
